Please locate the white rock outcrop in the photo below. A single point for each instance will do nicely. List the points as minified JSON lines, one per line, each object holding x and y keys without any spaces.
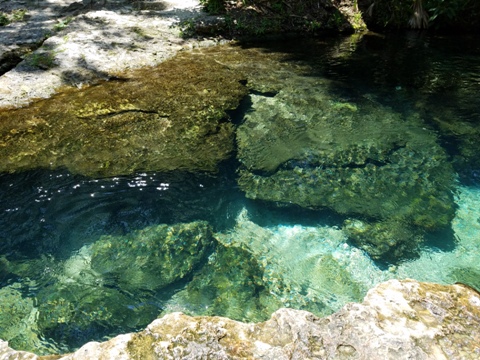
{"x":397,"y":320}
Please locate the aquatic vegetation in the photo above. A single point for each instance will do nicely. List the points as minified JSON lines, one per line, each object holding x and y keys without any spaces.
{"x":361,"y":160}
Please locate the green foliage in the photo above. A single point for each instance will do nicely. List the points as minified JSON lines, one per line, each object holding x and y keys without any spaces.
{"x":213,"y":6}
{"x":4,"y":19}
{"x":14,"y":16}
{"x":187,"y":28}
{"x":423,"y":13}
{"x":44,"y":60}
{"x":18,"y":15}
{"x":62,"y":24}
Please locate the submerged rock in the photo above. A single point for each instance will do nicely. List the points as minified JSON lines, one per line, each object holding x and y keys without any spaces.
{"x":17,"y":319}
{"x":397,"y":320}
{"x":152,"y":258}
{"x":358,"y":158}
{"x":113,"y":285}
{"x":232,"y":284}
{"x":303,"y":267}
{"x":158,"y":119}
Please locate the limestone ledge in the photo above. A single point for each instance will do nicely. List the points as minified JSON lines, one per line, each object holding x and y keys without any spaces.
{"x":398,"y":319}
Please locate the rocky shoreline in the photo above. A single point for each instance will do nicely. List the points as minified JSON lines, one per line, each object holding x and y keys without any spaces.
{"x":397,"y":320}
{"x":68,"y":44}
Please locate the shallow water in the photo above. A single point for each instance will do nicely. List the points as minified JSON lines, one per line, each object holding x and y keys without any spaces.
{"x":65,"y":240}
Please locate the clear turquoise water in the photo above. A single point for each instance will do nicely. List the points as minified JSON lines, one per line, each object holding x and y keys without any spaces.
{"x":266,"y":256}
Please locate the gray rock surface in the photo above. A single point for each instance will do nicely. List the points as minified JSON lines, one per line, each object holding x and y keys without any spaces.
{"x":67,"y":43}
{"x":397,"y":320}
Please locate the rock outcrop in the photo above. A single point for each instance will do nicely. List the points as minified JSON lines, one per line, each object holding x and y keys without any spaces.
{"x":306,"y":147}
{"x":397,"y":320}
{"x":156,"y":120}
{"x":65,"y":43}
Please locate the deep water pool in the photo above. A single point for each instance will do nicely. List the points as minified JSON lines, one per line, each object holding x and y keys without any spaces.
{"x":330,"y":165}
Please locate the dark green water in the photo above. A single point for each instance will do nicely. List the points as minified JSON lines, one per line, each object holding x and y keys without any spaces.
{"x":64,"y":238}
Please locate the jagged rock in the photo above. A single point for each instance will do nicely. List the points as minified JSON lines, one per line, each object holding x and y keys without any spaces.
{"x":397,"y":320}
{"x":7,"y":353}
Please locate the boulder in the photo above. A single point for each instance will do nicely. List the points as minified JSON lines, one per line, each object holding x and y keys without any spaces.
{"x":153,"y":257}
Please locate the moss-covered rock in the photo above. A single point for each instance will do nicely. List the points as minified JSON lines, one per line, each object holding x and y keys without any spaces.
{"x":357,"y":158}
{"x":76,"y":314}
{"x":159,"y":119}
{"x":231,"y":284}
{"x":465,"y":275}
{"x":17,"y":319}
{"x":153,"y":257}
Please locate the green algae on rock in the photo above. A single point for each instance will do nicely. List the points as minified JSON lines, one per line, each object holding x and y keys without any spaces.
{"x":17,"y":318}
{"x":298,"y":267}
{"x":466,"y":275}
{"x":153,"y":257}
{"x":231,"y":284}
{"x":359,"y":159}
{"x":157,"y":119}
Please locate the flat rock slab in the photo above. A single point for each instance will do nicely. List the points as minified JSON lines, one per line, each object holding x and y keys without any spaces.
{"x":78,"y":43}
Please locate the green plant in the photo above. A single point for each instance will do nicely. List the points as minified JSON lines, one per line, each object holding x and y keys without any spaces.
{"x":43,"y":60}
{"x":187,"y":28}
{"x":14,"y":16}
{"x":4,"y":19}
{"x":448,"y":10}
{"x":62,"y":24}
{"x":313,"y":25}
{"x":213,"y":6}
{"x":421,"y":14}
{"x":18,"y":15}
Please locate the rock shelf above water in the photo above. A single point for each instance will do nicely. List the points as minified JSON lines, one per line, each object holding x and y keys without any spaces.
{"x":397,"y":320}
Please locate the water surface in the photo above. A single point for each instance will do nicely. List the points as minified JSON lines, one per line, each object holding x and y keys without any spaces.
{"x":61,"y":234}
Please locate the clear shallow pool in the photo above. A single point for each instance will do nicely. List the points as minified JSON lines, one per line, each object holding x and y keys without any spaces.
{"x":83,"y":259}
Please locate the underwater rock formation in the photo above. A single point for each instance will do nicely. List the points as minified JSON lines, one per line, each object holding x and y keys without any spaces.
{"x":232,"y":284}
{"x":17,"y":318}
{"x":358,"y":158}
{"x":105,"y":287}
{"x":305,"y":268}
{"x":397,"y":319}
{"x":152,"y":258}
{"x":157,"y":119}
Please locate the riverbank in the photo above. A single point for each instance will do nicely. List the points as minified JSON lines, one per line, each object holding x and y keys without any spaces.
{"x":69,"y":44}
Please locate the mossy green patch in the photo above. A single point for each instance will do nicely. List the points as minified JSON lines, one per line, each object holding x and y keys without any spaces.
{"x":231,"y":284}
{"x":157,"y":119}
